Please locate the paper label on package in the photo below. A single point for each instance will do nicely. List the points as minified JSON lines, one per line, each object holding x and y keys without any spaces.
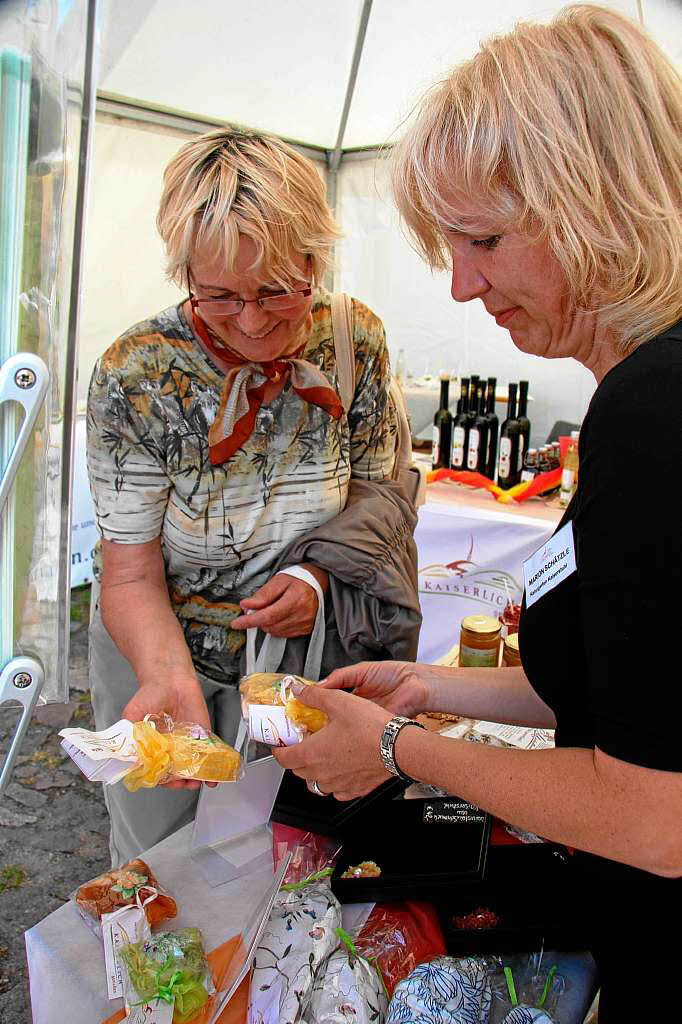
{"x":269,"y":724}
{"x":156,"y":1012}
{"x":119,"y":929}
{"x":104,"y":756}
{"x":550,"y":565}
{"x":517,"y":736}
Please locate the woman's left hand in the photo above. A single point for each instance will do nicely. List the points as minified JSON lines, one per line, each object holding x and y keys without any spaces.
{"x":284,"y":606}
{"x":343,"y":758}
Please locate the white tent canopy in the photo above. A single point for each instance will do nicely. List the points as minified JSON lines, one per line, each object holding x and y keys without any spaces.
{"x":168,"y":68}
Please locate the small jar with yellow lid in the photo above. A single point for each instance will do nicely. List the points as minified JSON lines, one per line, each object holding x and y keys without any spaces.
{"x":479,"y":642}
{"x":510,"y":651}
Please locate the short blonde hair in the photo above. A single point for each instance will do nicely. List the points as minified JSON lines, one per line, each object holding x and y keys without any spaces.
{"x":234,"y":182}
{"x":574,"y":130}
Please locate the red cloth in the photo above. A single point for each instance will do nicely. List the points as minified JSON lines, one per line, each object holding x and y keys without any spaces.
{"x":236,"y":416}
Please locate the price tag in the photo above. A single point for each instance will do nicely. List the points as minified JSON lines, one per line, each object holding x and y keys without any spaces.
{"x":156,"y":1012}
{"x":119,"y":929}
{"x":104,"y":756}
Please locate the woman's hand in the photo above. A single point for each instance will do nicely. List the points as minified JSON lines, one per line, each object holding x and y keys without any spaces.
{"x":284,"y":606}
{"x":343,"y":758}
{"x":395,"y":685}
{"x":182,"y":699}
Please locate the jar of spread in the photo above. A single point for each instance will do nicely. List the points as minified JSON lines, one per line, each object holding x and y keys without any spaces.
{"x":479,"y":642}
{"x":509,"y":617}
{"x":510,"y":650}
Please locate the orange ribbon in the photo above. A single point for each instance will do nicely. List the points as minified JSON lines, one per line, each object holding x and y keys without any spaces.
{"x":520,"y":492}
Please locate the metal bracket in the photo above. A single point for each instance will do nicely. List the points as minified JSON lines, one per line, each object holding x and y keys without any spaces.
{"x":21,"y":680}
{"x":24,"y":378}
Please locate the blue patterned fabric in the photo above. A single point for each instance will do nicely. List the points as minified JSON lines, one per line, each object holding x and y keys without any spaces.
{"x":527,"y":1015}
{"x":443,"y":991}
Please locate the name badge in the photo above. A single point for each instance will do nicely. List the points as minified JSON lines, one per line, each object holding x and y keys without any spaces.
{"x":550,"y":565}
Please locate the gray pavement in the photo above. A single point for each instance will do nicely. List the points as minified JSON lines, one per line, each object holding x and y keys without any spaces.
{"x":53,"y":823}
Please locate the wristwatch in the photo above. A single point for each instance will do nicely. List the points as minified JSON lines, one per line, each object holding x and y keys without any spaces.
{"x":387,"y":744}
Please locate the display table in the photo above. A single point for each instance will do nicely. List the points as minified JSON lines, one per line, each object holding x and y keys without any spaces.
{"x":471,"y":551}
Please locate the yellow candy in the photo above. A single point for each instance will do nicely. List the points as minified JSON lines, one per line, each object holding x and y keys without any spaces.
{"x":154,"y":753}
{"x":300,"y":714}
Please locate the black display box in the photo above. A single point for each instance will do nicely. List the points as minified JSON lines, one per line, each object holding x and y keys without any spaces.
{"x":424,"y":847}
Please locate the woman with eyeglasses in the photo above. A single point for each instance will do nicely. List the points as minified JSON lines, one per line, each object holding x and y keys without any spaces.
{"x":219,"y":453}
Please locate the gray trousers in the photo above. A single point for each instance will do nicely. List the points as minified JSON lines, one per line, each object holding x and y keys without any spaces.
{"x":139,"y":820}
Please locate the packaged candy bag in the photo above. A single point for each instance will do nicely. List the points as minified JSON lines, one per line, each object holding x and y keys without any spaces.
{"x":170,"y":967}
{"x":443,"y":991}
{"x":400,"y":936}
{"x":150,"y":752}
{"x":271,"y":711}
{"x":133,"y":884}
{"x":300,"y":933}
{"x":347,"y":987}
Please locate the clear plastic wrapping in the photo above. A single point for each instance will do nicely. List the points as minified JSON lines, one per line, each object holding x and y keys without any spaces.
{"x":151,"y":752}
{"x":271,"y":711}
{"x":301,"y":932}
{"x":400,"y":936}
{"x":132,"y":884}
{"x":172,"y":967}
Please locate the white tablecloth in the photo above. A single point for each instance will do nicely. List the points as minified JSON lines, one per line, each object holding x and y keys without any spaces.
{"x":471,"y":552}
{"x":68,"y":980}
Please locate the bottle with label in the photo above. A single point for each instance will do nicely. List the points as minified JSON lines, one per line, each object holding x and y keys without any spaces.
{"x":569,"y":473}
{"x":530,"y":465}
{"x":523,"y":421}
{"x":477,"y":450}
{"x":442,"y":428}
{"x":544,"y":464}
{"x":508,"y":472}
{"x":493,"y":427}
{"x":460,"y":427}
{"x":556,"y":455}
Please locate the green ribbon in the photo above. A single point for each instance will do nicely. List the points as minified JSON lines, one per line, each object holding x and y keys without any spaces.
{"x":166,"y":992}
{"x":545,"y":993}
{"x":511,"y":986}
{"x":372,"y":960}
{"x":315,"y":877}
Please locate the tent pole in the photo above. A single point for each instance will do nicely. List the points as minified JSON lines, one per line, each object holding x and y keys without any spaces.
{"x":71,"y":355}
{"x":334,"y":157}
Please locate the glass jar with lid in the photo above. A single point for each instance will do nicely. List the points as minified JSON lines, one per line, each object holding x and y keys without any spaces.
{"x":510,"y":651}
{"x":479,"y":642}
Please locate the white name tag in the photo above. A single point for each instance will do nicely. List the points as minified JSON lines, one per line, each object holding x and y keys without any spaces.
{"x":550,"y":565}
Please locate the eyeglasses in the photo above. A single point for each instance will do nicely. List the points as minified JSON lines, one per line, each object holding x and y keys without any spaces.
{"x":279,"y":302}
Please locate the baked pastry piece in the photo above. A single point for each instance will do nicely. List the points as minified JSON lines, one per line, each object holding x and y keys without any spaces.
{"x":120,"y":888}
{"x":182,"y":751}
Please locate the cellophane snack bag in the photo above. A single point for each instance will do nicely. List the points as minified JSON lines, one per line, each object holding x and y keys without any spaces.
{"x":301,"y":932}
{"x":151,"y":752}
{"x":272,"y":712}
{"x":169,"y":968}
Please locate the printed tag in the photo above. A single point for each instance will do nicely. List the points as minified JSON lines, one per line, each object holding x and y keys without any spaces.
{"x":550,"y":565}
{"x":269,"y":724}
{"x":102,"y":756}
{"x":156,"y":1012}
{"x":119,"y":929}
{"x":525,"y":738}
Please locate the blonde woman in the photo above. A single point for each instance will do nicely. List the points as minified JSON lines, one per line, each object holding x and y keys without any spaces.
{"x":219,"y":453}
{"x":546,"y":173}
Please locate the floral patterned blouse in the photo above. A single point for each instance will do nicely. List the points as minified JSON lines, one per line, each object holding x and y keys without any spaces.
{"x":154,"y":394}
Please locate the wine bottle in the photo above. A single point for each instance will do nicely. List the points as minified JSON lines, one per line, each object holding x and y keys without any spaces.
{"x":477,"y":449}
{"x":442,"y":428}
{"x":493,"y":427}
{"x":473,"y":398}
{"x":460,"y":427}
{"x":523,"y":421}
{"x":507,"y":469}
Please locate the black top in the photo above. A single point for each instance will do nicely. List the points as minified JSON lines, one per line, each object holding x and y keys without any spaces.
{"x":602,"y":648}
